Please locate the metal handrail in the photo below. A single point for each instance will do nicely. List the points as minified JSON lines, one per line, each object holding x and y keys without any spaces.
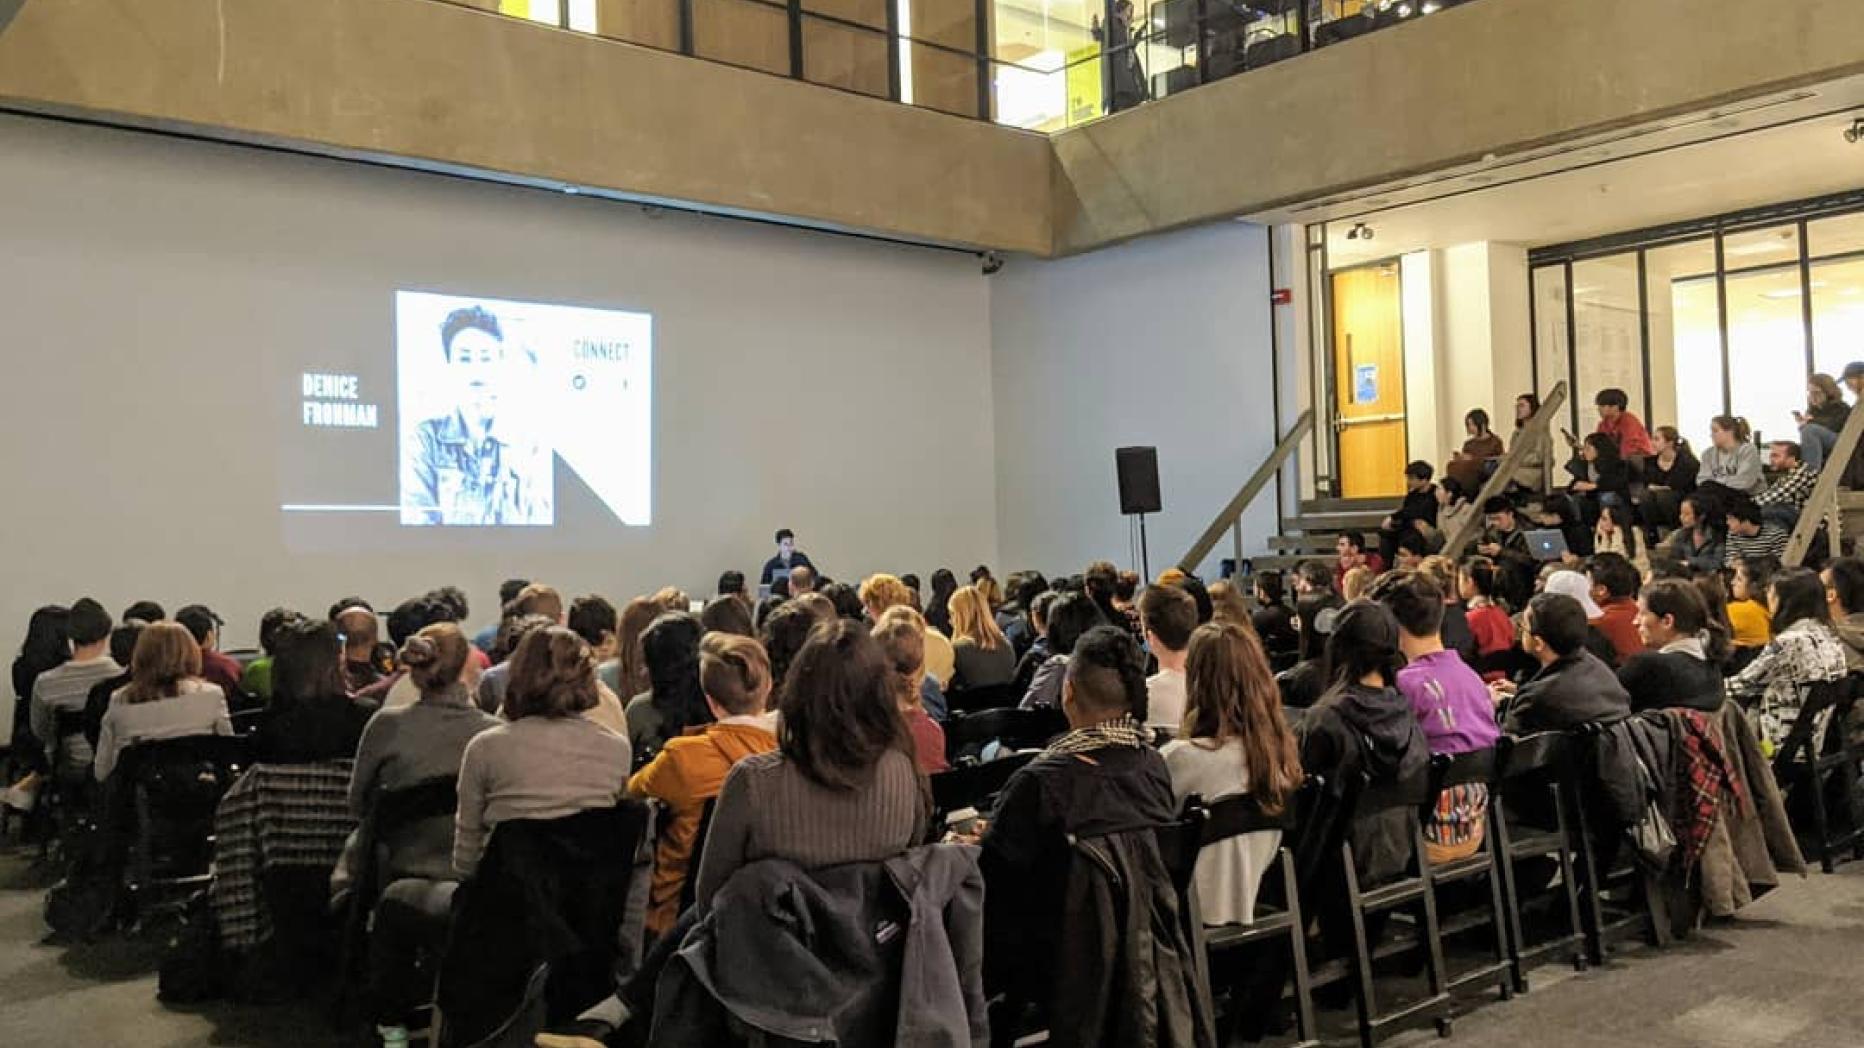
{"x":1822,"y":504}
{"x":1540,"y":422}
{"x":1231,"y":514}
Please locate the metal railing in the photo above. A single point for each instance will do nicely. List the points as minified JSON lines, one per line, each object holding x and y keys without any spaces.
{"x":1207,"y":40}
{"x":1230,"y":517}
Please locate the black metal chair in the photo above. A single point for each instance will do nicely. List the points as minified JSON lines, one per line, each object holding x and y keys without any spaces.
{"x":1598,"y":871}
{"x":1817,"y":765}
{"x":160,"y":802}
{"x":1448,"y":772}
{"x":688,"y":889}
{"x":967,"y":733}
{"x":1278,"y":916}
{"x":1536,"y":772}
{"x":973,"y":785}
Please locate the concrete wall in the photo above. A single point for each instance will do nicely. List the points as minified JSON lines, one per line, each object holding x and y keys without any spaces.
{"x":161,"y":297}
{"x":1495,"y":76}
{"x":1163,"y":343}
{"x":439,"y":86}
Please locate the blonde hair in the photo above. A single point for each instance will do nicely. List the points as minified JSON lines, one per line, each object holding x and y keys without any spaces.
{"x":901,"y":633}
{"x":1355,"y":583}
{"x":971,"y":619}
{"x":672,"y":598}
{"x":881,"y":592}
{"x":1442,"y":571}
{"x":1227,"y":604}
{"x":734,"y":672}
{"x":539,"y":599}
{"x":165,"y":656}
{"x":1172,"y":576}
{"x":435,"y":656}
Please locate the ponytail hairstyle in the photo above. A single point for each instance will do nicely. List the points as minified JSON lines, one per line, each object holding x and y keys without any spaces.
{"x":1480,"y":571}
{"x":1684,"y":603}
{"x":1677,"y":440}
{"x":434,"y":656}
{"x":901,"y":634}
{"x":1735,"y":425}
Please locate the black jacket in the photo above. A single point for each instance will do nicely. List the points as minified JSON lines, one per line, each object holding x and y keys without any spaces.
{"x":1125,"y":971}
{"x":1572,"y":690}
{"x":1417,"y":505}
{"x":309,"y":730}
{"x":868,"y":953}
{"x":1026,"y":853}
{"x":1456,"y":634}
{"x":1680,"y":477}
{"x":548,"y":891}
{"x":1656,"y":681}
{"x":775,"y":566}
{"x":1275,"y":625}
{"x":1516,"y":563}
{"x":1356,"y":733}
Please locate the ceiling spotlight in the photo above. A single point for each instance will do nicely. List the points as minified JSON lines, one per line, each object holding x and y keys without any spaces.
{"x":1855,"y":133}
{"x":1360,"y":231}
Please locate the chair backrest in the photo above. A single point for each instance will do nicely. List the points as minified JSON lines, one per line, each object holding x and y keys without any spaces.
{"x":1834,"y":695}
{"x":974,"y":786}
{"x":1461,"y":769}
{"x":1017,"y":728}
{"x":1411,"y":792}
{"x":987,"y":697}
{"x":1544,"y":753}
{"x":395,"y":810}
{"x":688,"y":889}
{"x":66,"y":723}
{"x":161,"y":764}
{"x":1242,"y":813}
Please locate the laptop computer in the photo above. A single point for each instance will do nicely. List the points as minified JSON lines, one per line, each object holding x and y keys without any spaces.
{"x":1547,"y":543}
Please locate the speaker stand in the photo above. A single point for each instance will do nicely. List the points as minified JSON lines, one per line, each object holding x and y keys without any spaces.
{"x":1136,"y":545}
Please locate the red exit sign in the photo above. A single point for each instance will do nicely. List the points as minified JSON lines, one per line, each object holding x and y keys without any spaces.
{"x":1281,"y":296}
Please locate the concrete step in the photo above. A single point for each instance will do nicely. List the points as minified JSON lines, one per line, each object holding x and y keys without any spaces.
{"x":1312,"y":543}
{"x":1334,"y":523}
{"x":1275,"y":562}
{"x":1381,"y":505}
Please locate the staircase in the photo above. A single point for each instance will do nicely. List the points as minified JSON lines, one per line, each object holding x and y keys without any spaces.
{"x":1313,"y":531}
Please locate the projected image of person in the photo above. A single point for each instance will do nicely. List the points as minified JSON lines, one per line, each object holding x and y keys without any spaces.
{"x":475,"y":464}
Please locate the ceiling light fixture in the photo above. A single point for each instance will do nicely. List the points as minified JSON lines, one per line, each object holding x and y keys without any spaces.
{"x":1360,"y":231}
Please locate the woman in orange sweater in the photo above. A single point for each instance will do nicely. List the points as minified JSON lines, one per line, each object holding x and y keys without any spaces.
{"x":735,"y":675}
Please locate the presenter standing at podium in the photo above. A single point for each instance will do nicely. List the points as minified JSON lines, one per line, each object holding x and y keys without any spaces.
{"x":788,"y":556}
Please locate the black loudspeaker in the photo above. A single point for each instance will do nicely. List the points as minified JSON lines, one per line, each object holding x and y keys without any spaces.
{"x":1139,"y":479}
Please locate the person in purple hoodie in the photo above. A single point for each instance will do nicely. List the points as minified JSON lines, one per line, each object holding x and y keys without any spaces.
{"x":1452,"y":705}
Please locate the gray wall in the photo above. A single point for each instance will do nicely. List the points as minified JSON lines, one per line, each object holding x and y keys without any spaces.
{"x":1163,"y":342}
{"x":159,"y":297}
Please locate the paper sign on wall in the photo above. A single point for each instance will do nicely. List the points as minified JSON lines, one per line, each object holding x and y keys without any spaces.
{"x":1365,"y":383}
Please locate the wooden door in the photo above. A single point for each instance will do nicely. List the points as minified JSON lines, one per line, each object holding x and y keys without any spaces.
{"x":1368,"y":380}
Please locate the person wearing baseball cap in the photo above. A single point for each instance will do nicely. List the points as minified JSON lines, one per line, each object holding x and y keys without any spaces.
{"x":216,"y":666}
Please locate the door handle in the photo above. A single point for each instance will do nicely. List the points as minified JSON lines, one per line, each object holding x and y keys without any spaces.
{"x":1358,"y":420}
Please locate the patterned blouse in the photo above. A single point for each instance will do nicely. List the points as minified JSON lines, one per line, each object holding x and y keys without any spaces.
{"x":1805,"y":654}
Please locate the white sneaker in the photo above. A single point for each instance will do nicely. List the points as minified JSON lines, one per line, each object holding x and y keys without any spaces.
{"x":393,"y":1036}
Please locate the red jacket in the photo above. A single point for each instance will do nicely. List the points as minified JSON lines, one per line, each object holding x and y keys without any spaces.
{"x":1629,"y":434}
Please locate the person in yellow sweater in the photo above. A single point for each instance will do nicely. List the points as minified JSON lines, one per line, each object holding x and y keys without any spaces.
{"x":734,"y":672}
{"x":1747,"y":606}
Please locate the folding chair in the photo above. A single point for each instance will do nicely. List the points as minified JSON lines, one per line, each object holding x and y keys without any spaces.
{"x":967,"y":733}
{"x":163,"y":795}
{"x":1603,"y":927}
{"x":1826,"y":769}
{"x":1225,"y":820}
{"x":973,"y":785}
{"x":1536,"y":764}
{"x":988,"y":697}
{"x":1411,"y":795}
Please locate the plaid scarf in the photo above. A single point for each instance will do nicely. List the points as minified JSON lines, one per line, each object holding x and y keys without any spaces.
{"x":1709,"y":780}
{"x":1123,"y":731}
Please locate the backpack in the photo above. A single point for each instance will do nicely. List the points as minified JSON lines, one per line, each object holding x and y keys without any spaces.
{"x":83,"y":902}
{"x":192,"y":968}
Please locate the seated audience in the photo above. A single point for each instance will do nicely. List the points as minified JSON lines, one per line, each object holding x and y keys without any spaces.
{"x":1272,"y":620}
{"x":1039,"y":649}
{"x":1069,"y":617}
{"x":1454,"y":509}
{"x":1505,"y":544}
{"x":1356,"y":582}
{"x":1316,"y":605}
{"x":880,"y":592}
{"x":1530,"y":472}
{"x":1579,"y":587}
{"x":938,"y":606}
{"x":674,"y":700}
{"x":65,"y":686}
{"x":981,"y":655}
{"x":1472,"y":464}
{"x":802,"y":580}
{"x":1102,"y":776}
{"x":1616,"y":421}
{"x":1419,"y":506}
{"x":1698,"y":540}
{"x":1614,"y":588}
{"x":547,"y":760}
{"x":901,"y":636}
{"x":1455,"y":629}
{"x":594,"y":619}
{"x":1750,"y":534}
{"x":1674,"y":467}
{"x":490,"y":690}
{"x":166,"y":696}
{"x":1363,"y":729}
{"x":1844,"y":593}
{"x":1823,"y":419}
{"x":1614,"y":534}
{"x":97,"y":700}
{"x":508,"y":591}
{"x":1571,"y":687}
{"x":1412,"y":549}
{"x":312,"y":716}
{"x":726,"y":614}
{"x":1351,"y":546}
{"x":1683,"y":666}
{"x":144,"y":612}
{"x":626,"y":673}
{"x":1731,"y":461}
{"x":1489,"y":625}
{"x":1781,"y":502}
{"x":361,"y":633}
{"x":256,"y":679}
{"x":1804,"y":651}
{"x":1167,"y":614}
{"x":1234,"y":739}
{"x":1452,"y":707}
{"x":840,"y":787}
{"x":216,"y":667}
{"x":1227,"y":604}
{"x":1604,"y":479}
{"x":689,"y":771}
{"x":1013,"y":617}
{"x":846,"y":600}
